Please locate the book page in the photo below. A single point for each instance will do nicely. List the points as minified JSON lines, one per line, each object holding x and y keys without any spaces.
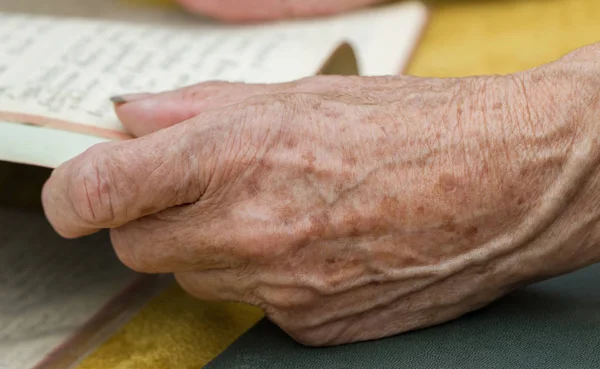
{"x":64,"y":70}
{"x":384,"y":38}
{"x":58,"y":73}
{"x":50,"y":287}
{"x":41,"y":145}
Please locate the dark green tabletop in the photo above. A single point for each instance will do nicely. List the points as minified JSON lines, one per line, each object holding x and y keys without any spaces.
{"x":551,"y":325}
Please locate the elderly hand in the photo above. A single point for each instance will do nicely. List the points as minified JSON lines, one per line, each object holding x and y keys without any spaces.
{"x":263,"y":10}
{"x":351,"y":208}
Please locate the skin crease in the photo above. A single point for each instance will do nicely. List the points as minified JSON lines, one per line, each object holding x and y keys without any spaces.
{"x":249,"y":11}
{"x":351,"y":208}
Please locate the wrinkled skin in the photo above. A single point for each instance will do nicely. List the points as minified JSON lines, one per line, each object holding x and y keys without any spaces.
{"x":267,"y":10}
{"x":351,"y":208}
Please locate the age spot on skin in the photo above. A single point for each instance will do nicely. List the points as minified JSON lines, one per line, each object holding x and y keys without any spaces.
{"x":331,"y":113}
{"x":421,"y":162}
{"x":310,"y":159}
{"x":349,"y":160}
{"x":448,"y":223}
{"x":447,"y":182}
{"x":524,"y":172}
{"x":319,"y":223}
{"x":392,"y":206}
{"x":485,"y":169}
{"x":265,"y":165}
{"x":471,"y":232}
{"x":536,"y":77}
{"x":291,"y":142}
{"x":449,"y":227}
{"x":253,"y":187}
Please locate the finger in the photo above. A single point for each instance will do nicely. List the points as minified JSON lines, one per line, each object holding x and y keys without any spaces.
{"x":117,"y":182}
{"x":261,"y":10}
{"x":166,"y":243}
{"x":235,"y":285}
{"x":142,"y":114}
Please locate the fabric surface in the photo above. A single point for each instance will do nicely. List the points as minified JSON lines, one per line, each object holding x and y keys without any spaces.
{"x":464,"y":38}
{"x":551,"y":325}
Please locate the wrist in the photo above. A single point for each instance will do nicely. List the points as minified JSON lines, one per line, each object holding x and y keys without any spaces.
{"x":554,"y":172}
{"x":494,"y":181}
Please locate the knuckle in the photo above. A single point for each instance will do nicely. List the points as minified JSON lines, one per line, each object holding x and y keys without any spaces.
{"x":281,"y":101}
{"x":574,"y":79}
{"x":257,"y":126}
{"x":586,"y":53}
{"x":557,"y":98}
{"x":202,"y":90}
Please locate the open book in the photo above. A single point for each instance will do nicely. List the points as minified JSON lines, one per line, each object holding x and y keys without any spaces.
{"x":57,"y":72}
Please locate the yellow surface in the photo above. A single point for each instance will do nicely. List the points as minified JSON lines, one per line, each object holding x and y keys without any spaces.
{"x":174,"y":332}
{"x":463,"y":38}
{"x":469,"y":37}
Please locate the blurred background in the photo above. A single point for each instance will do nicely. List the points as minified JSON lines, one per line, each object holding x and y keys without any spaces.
{"x":467,"y":37}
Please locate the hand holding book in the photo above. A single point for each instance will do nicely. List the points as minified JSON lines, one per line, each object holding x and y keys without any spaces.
{"x":350,"y":208}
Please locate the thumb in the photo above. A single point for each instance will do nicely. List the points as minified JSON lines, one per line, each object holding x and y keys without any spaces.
{"x":142,"y":114}
{"x":115,"y":183}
